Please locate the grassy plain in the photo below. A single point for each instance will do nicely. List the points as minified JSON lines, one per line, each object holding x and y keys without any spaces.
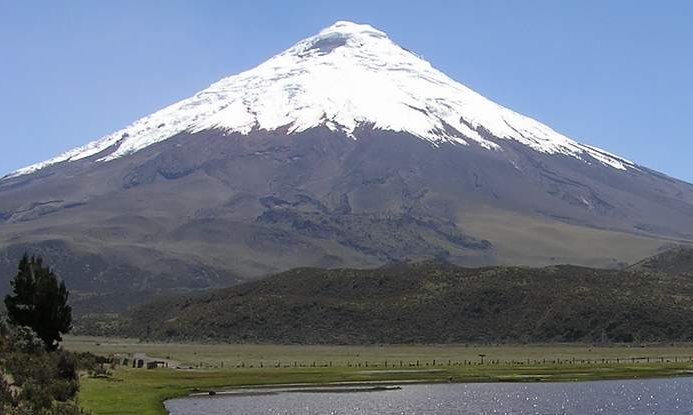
{"x":140,"y":391}
{"x":211,"y":355}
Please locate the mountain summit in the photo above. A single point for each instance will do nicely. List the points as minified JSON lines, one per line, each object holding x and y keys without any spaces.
{"x":347,"y":76}
{"x":344,"y":150}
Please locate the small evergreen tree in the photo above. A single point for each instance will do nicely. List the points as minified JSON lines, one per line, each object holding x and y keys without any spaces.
{"x":39,"y":301}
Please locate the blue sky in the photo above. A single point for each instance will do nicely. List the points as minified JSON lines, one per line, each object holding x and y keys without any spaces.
{"x":615,"y":74}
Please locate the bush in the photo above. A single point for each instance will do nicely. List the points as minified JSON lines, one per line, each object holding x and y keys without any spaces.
{"x":47,"y":379}
{"x":25,"y":340}
{"x":100,"y":371}
{"x":4,"y":327}
{"x":37,"y":396}
{"x":16,"y":410}
{"x":67,"y":366}
{"x":65,"y":408}
{"x":58,"y":408}
{"x":44,"y":378}
{"x":86,"y":360}
{"x":64,"y":390}
{"x":6,"y":395}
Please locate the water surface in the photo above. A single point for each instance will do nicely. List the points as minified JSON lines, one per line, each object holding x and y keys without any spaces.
{"x":653,"y":396}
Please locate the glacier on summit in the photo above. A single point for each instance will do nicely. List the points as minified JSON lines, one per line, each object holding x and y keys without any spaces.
{"x":345,"y":77}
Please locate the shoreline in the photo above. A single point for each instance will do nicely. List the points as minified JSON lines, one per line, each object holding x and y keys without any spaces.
{"x":222,"y":383}
{"x":365,"y":386}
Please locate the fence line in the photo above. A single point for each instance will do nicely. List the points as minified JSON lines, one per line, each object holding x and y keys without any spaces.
{"x":482,"y":361}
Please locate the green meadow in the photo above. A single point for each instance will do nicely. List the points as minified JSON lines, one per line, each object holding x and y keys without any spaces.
{"x":228,"y":366}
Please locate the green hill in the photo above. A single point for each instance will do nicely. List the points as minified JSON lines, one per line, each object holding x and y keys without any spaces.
{"x":434,"y":302}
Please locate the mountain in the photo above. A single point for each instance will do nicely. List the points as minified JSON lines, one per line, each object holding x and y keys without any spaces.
{"x":430,"y":302}
{"x":345,"y":150}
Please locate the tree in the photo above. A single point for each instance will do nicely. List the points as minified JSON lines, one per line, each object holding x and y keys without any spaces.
{"x":39,"y":301}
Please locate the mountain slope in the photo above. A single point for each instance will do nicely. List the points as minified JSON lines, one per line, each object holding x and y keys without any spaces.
{"x":677,"y":261}
{"x":345,"y":77}
{"x":431,"y":303}
{"x":344,"y":150}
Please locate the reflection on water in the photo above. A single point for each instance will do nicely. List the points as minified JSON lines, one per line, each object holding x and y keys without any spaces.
{"x":660,"y":396}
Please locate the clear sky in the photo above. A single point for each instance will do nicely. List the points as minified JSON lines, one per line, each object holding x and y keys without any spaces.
{"x":616,"y":74}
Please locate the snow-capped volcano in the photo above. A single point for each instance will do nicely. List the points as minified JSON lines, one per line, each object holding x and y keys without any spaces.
{"x":345,"y":150}
{"x":348,"y":75}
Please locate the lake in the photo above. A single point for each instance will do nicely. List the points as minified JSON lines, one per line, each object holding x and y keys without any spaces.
{"x":652,"y":396}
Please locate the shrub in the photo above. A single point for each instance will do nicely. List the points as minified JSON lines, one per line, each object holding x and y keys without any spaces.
{"x":67,"y":366}
{"x":6,"y":395}
{"x":47,"y":379}
{"x":100,"y":371}
{"x":25,"y":340}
